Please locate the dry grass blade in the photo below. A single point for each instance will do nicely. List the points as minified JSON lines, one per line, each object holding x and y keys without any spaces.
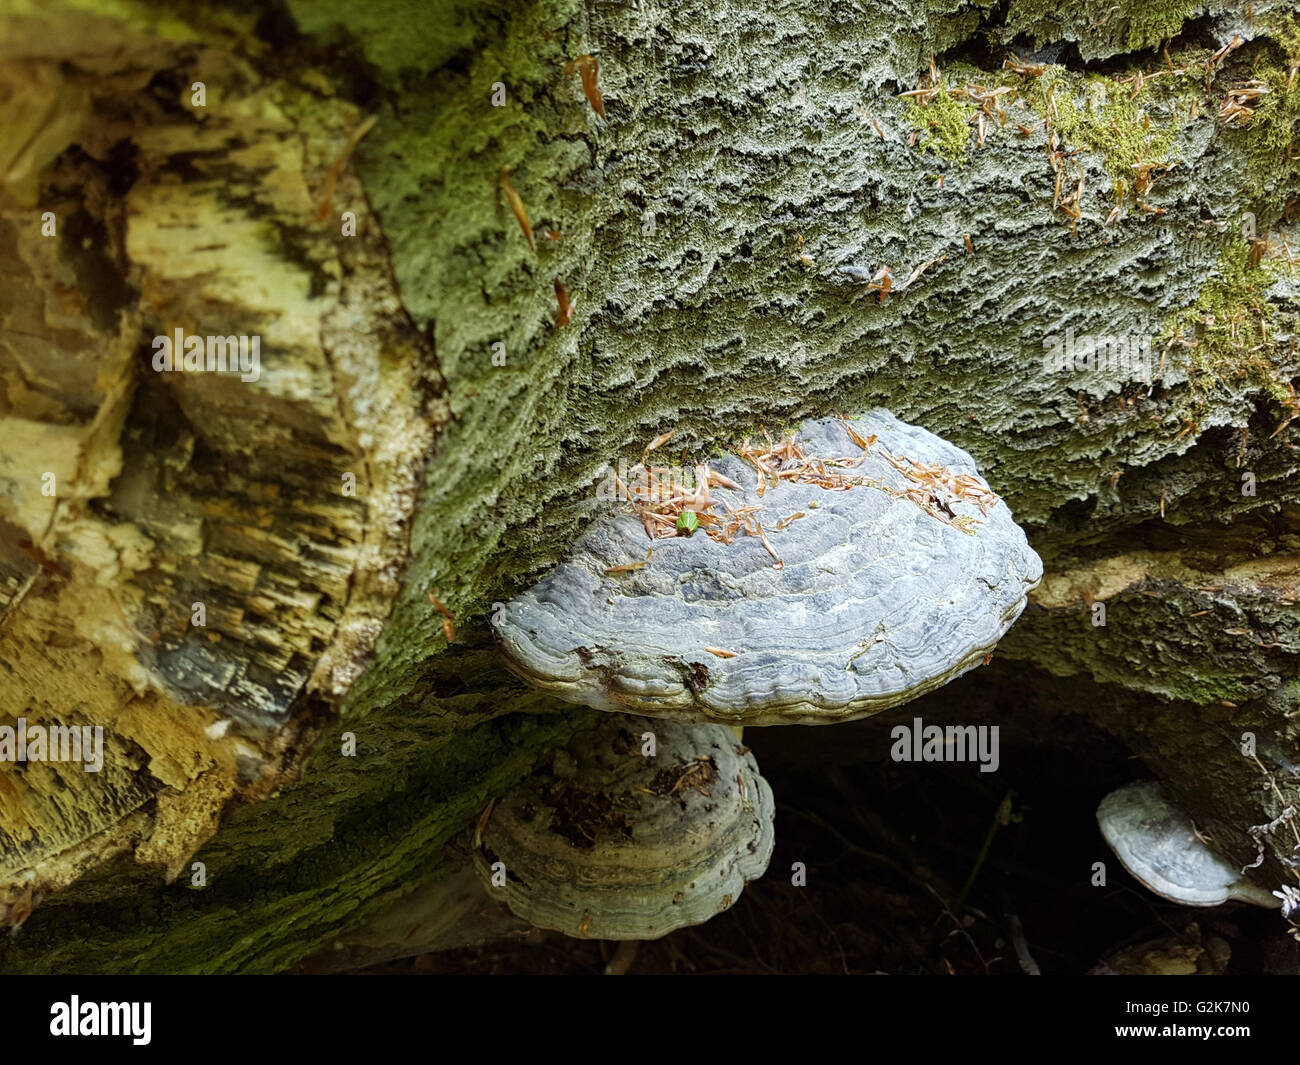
{"x":780,"y":563}
{"x":1019,"y":66}
{"x":856,"y":437}
{"x":1238,"y":106}
{"x":721,"y":481}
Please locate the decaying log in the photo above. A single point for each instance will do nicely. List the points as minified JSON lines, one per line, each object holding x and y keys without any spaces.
{"x":341,"y":716}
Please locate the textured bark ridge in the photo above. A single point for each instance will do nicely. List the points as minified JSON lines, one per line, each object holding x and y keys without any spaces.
{"x":724,"y":229}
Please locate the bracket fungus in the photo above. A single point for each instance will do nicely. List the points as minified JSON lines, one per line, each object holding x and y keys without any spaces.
{"x":1159,"y":845}
{"x":609,"y":843}
{"x":896,"y":570}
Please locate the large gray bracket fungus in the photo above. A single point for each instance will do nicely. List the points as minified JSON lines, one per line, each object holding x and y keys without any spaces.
{"x":1159,"y":845}
{"x":611,"y":844}
{"x":879,"y":599}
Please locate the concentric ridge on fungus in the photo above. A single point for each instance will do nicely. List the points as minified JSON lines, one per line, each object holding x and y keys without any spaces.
{"x":878,"y":599}
{"x":606,"y":843}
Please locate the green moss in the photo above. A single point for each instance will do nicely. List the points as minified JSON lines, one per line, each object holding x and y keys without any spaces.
{"x":1129,"y":27}
{"x":1229,"y":331}
{"x":1285,"y":30}
{"x":1153,"y":21}
{"x":1271,"y":134}
{"x":1135,"y":126}
{"x":1107,"y":118}
{"x":944,"y":124}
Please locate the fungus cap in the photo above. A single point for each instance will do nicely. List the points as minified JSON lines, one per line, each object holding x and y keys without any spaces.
{"x":611,"y":844}
{"x":1158,"y":844}
{"x":879,"y":599}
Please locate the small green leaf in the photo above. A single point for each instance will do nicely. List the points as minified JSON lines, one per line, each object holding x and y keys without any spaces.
{"x":687,"y":522}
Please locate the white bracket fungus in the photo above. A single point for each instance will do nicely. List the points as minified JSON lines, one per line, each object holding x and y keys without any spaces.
{"x":1160,"y":846}
{"x":897,"y":569}
{"x":610,"y":844}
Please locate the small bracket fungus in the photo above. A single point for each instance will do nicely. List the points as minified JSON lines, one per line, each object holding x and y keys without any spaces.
{"x":1159,"y":845}
{"x":896,"y":569}
{"x":609,"y":844}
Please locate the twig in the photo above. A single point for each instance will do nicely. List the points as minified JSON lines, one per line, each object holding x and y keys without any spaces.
{"x":1018,"y":941}
{"x":1001,"y":817}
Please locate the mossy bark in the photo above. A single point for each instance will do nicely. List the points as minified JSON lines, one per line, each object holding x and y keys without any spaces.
{"x":746,"y":156}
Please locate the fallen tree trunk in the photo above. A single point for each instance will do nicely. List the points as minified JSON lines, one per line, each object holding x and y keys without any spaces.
{"x":422,"y":433}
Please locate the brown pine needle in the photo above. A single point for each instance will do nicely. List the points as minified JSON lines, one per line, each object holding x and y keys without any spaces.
{"x":327,"y":199}
{"x":441,"y":607}
{"x":517,"y":206}
{"x":588,"y":68}
{"x":656,"y":444}
{"x":631,"y":567}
